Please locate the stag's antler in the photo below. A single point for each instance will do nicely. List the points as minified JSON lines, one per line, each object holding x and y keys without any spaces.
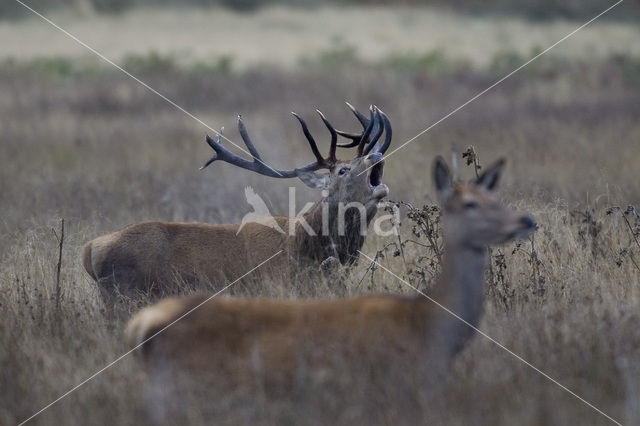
{"x":372,"y":130}
{"x":259,"y":166}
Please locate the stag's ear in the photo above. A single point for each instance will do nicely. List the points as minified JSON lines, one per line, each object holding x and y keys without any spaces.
{"x":489,"y":179}
{"x":315,"y":180}
{"x":442,"y":179}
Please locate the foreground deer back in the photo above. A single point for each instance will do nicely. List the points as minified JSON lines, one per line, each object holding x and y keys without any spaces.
{"x":150,"y":256}
{"x":372,"y":346}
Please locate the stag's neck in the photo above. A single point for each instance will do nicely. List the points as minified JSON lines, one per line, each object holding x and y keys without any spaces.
{"x":329,"y":239}
{"x":460,"y":288}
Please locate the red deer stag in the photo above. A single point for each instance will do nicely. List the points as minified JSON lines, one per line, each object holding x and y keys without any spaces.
{"x":148,"y":256}
{"x":384,"y":344}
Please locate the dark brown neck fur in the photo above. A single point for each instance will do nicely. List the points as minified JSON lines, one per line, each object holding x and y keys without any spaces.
{"x":328,"y":241}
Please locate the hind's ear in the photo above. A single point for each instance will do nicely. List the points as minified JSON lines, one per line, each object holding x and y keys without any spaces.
{"x":315,"y":180}
{"x":489,"y":179}
{"x":442,"y":180}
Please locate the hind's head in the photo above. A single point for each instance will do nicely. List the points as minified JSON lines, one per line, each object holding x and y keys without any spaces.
{"x":473,"y":215}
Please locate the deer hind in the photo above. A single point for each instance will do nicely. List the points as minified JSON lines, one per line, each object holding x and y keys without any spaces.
{"x":149,"y":255}
{"x":382,"y":340}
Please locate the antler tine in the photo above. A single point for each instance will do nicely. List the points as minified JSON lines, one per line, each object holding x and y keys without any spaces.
{"x":334,"y":138}
{"x":314,"y":147}
{"x":355,"y":137}
{"x":213,"y":144}
{"x":388,"y":135}
{"x":365,"y":135}
{"x":257,"y":165}
{"x":379,"y":128}
{"x":360,"y":116}
{"x":247,"y":140}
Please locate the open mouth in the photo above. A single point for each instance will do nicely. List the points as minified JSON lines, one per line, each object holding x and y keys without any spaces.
{"x":375,"y":176}
{"x":379,"y":190}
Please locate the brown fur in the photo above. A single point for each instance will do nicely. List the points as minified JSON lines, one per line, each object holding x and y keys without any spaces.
{"x":86,"y":260}
{"x":149,"y":257}
{"x":227,"y":332}
{"x":366,"y":337}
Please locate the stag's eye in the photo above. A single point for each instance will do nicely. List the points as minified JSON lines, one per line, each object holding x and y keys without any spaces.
{"x":470,"y":205}
{"x":343,"y":171}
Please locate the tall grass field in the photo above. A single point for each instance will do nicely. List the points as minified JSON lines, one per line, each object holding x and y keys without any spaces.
{"x":83,"y":142}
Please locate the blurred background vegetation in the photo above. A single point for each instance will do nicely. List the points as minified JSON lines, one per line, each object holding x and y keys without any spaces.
{"x":532,"y":9}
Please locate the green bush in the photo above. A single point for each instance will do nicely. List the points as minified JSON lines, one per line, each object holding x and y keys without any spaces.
{"x":111,"y":6}
{"x":54,"y":66}
{"x":338,"y":55}
{"x":434,"y":62}
{"x":151,"y":62}
{"x":222,"y":65}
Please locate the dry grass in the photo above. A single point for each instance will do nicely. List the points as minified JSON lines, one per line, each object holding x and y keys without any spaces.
{"x":102,"y":152}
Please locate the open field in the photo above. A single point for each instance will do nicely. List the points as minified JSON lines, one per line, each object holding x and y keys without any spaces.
{"x":100,"y":151}
{"x":264,"y":38}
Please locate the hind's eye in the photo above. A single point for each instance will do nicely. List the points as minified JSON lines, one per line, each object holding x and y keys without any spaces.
{"x":469,"y":205}
{"x":343,"y":171}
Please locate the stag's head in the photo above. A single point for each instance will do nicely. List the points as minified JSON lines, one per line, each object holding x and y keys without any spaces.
{"x":473,"y":216}
{"x":358,"y":180}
